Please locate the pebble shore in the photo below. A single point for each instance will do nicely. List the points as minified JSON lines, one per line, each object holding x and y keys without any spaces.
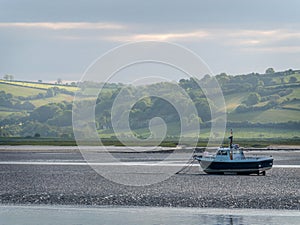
{"x":73,"y":185}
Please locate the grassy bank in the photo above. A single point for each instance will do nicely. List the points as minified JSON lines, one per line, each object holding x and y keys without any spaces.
{"x":37,"y":141}
{"x":252,"y":142}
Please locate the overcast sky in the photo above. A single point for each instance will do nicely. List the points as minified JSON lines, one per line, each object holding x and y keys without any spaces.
{"x":60,"y":38}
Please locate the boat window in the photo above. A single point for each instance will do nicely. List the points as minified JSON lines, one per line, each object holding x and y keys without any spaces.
{"x":238,"y":154}
{"x":222,"y":152}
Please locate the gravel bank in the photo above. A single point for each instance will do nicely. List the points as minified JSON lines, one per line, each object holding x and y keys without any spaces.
{"x":33,"y":184}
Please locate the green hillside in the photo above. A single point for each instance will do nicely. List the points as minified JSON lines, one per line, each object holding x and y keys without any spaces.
{"x":258,"y":106}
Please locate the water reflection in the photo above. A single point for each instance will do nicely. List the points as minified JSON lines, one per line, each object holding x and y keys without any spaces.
{"x":220,"y":219}
{"x":48,"y":214}
{"x":230,"y":220}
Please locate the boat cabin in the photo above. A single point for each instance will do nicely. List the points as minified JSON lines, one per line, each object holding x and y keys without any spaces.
{"x":230,"y":153}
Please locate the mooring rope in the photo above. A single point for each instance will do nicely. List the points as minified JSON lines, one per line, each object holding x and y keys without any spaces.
{"x":190,"y":163}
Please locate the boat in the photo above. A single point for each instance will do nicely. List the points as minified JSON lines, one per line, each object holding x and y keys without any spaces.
{"x":231,"y":160}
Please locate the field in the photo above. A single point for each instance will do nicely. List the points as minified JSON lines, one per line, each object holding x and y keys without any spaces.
{"x":55,"y":99}
{"x":20,"y":90}
{"x":254,"y":133}
{"x":234,"y":100}
{"x":295,"y":94}
{"x":4,"y":114}
{"x":268,"y":116}
{"x":36,"y":86}
{"x":258,"y":137}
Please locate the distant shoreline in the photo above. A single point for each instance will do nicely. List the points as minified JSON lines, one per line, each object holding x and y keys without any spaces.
{"x":257,"y":143}
{"x":132,"y":149}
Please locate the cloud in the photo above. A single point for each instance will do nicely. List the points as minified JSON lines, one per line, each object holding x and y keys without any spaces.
{"x":161,"y":36}
{"x":264,"y":36}
{"x":273,"y":49}
{"x":64,"y":26}
{"x":261,"y":41}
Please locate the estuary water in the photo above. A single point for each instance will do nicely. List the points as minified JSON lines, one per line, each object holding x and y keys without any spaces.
{"x":54,"y":214}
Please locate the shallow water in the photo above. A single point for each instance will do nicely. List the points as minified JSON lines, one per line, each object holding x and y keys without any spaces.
{"x":44,"y":214}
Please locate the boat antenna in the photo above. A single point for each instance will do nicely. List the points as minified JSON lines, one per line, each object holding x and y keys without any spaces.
{"x":230,"y":138}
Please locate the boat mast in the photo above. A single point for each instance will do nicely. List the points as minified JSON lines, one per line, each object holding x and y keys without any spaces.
{"x":230,"y":145}
{"x":230,"y":138}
